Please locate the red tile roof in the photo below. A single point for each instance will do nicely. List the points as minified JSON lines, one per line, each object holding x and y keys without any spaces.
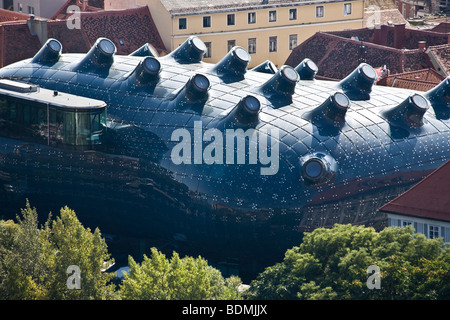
{"x":62,"y":14}
{"x":8,"y":15}
{"x":394,"y":46}
{"x":420,"y":80}
{"x":129,"y":29}
{"x":430,"y":198}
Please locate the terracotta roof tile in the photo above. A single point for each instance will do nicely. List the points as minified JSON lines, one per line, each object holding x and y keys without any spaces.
{"x":7,"y":15}
{"x":326,"y":49}
{"x":427,"y":199}
{"x":129,"y":29}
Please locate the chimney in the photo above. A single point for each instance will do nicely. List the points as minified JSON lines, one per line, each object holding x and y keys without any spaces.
{"x":399,"y":36}
{"x":422,"y":45}
{"x":82,"y":4}
{"x":38,"y":27}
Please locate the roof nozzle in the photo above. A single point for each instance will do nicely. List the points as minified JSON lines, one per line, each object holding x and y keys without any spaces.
{"x":234,"y":63}
{"x":100,"y":55}
{"x":266,"y":67}
{"x":439,"y":98}
{"x":147,"y":50}
{"x":358,"y":84}
{"x":147,"y":70}
{"x":50,"y":52}
{"x":190,"y":51}
{"x":408,"y":114}
{"x":281,"y":86}
{"x":196,"y":89}
{"x":247,"y":111}
{"x":307,"y":69}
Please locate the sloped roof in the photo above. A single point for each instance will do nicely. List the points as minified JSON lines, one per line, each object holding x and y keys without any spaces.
{"x":129,"y":29}
{"x":327,"y":51}
{"x":430,"y":198}
{"x":8,"y":15}
{"x":443,"y":27}
{"x":62,"y":12}
{"x":397,"y":48}
{"x":419,"y":80}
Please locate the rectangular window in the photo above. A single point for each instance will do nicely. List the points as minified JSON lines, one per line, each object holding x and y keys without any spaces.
{"x":182,"y":23}
{"x":30,"y":10}
{"x":231,"y":19}
{"x":319,"y":12}
{"x":207,"y":22}
{"x":252,"y":45}
{"x":347,"y":9}
{"x":230,"y":44}
{"x":292,"y":14}
{"x":433,"y":231}
{"x":406,"y":223}
{"x":272,"y":16}
{"x":251,"y":17}
{"x":272,"y":44}
{"x":292,"y":41}
{"x":208,"y":53}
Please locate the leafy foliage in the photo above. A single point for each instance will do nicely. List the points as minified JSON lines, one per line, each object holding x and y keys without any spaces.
{"x":332,"y":264}
{"x":34,"y":261}
{"x":158,"y":278}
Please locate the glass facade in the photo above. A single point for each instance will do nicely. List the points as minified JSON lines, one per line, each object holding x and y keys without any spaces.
{"x":53,"y":125}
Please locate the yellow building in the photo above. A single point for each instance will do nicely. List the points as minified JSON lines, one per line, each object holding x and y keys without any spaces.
{"x":267,"y":29}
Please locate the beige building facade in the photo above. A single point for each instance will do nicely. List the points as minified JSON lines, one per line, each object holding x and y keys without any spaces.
{"x":267,"y":29}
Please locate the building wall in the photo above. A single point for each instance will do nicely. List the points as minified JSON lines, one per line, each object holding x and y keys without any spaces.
{"x":40,"y":8}
{"x":162,"y":19}
{"x":219,"y":33}
{"x":421,"y":225}
{"x":120,"y":4}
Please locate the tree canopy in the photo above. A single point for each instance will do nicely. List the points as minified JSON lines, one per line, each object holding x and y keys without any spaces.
{"x":333,"y":264}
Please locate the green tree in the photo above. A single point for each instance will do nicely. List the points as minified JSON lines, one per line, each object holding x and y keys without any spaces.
{"x":158,"y":278}
{"x":34,"y":259}
{"x":332,"y":264}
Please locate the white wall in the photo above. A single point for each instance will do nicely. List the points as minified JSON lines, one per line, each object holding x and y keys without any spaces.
{"x":42,"y":8}
{"x":120,"y":4}
{"x":421,"y":225}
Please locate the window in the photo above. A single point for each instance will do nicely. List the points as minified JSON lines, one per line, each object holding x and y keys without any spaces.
{"x":292,"y":14}
{"x":207,"y":22}
{"x":19,"y":7}
{"x":433,"y":231}
{"x":272,"y":44}
{"x":319,"y":12}
{"x":272,"y":16}
{"x":230,"y":44}
{"x":231,"y":19}
{"x":292,"y":41}
{"x":347,"y":9}
{"x":252,"y":45}
{"x":208,"y":53}
{"x":182,"y":23}
{"x":406,"y":223}
{"x":251,"y":17}
{"x":30,"y":10}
